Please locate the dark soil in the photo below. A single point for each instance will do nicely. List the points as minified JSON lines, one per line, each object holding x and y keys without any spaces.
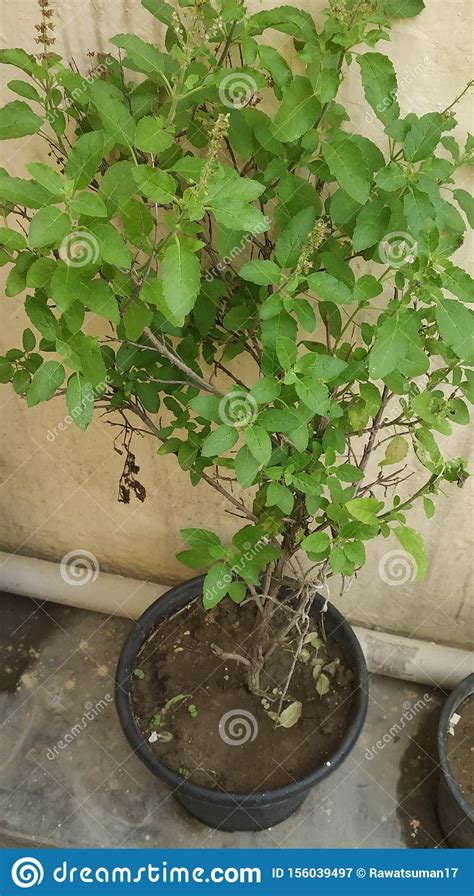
{"x":461,"y":749}
{"x":245,"y":756}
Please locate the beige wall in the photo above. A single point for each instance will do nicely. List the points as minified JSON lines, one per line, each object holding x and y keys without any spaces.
{"x":59,"y":494}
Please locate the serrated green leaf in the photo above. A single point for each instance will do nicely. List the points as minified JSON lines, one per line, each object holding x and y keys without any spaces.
{"x":48,"y":378}
{"x":18,"y":120}
{"x":380,"y":85}
{"x":412,"y":542}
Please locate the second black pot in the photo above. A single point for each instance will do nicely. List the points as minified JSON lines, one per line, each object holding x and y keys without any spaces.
{"x":219,"y":808}
{"x":456,"y":816}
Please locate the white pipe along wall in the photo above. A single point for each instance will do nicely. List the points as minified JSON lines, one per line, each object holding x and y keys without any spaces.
{"x":424,"y":662}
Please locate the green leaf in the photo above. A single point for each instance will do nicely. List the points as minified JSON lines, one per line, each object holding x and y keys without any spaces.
{"x":201,"y":539}
{"x":29,"y":340}
{"x":219,"y":441}
{"x":236,"y":215}
{"x":391,"y":178}
{"x":112,"y":246}
{"x":380,"y":85}
{"x":114,"y":114}
{"x":395,"y":452}
{"x":237,"y":591}
{"x":314,"y":395}
{"x":347,"y":164}
{"x":329,"y":289}
{"x":316,"y":543}
{"x":364,"y":509}
{"x":145,"y":57}
{"x":150,"y":136}
{"x":48,"y":378}
{"x":18,"y":120}
{"x":296,"y":22}
{"x":99,"y":298}
{"x":466,"y":201}
{"x":259,"y":443}
{"x":265,"y":390}
{"x":280,"y":496}
{"x":27,"y":193}
{"x":155,"y":184}
{"x":85,"y":158}
{"x":371,"y":225}
{"x":22,"y":88}
{"x":136,"y":317}
{"x":423,"y":136}
{"x":48,"y":227}
{"x":459,"y":283}
{"x":263,"y":273}
{"x":50,"y":179}
{"x":12,"y":240}
{"x":286,"y":351}
{"x":412,"y":542}
{"x":80,"y":401}
{"x":297,"y":112}
{"x":181,"y":280}
{"x":394,"y":337}
{"x":161,"y":10}
{"x":403,"y":9}
{"x":66,"y":285}
{"x":455,"y":323}
{"x":24,"y":61}
{"x":89,"y":204}
{"x":40,"y":272}
{"x":216,"y":585}
{"x":246,"y":467}
{"x":292,"y":241}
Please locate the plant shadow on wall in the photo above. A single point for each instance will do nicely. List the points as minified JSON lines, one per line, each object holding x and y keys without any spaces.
{"x":347,"y":309}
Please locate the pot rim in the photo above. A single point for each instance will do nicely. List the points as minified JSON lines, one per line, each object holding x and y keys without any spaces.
{"x":143,"y":629}
{"x":461,"y":692}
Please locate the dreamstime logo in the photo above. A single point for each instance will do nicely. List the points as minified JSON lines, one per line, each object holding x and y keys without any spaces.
{"x":221,"y":266}
{"x":411,"y":710}
{"x":397,"y":568}
{"x":27,"y":872}
{"x":237,"y":89}
{"x":79,"y":568}
{"x":91,"y":712}
{"x":238,"y":409}
{"x":79,"y":249}
{"x":237,"y":727}
{"x":398,"y":248}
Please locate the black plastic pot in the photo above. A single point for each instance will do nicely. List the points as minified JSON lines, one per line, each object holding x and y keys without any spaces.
{"x":218,"y":808}
{"x":456,"y":815}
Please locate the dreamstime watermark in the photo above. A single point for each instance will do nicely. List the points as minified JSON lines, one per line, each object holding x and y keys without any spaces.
{"x":91,"y":712}
{"x":220,"y":267}
{"x":238,"y":409}
{"x":397,"y":568}
{"x":398,"y":248}
{"x":237,"y":89}
{"x":238,"y":727}
{"x":27,"y":872}
{"x":411,"y":710}
{"x":404,"y":81}
{"x":249,"y":553}
{"x":79,"y":249}
{"x":89,"y":394}
{"x":79,"y":567}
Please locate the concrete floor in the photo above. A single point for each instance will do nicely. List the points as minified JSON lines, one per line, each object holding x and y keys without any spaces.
{"x":58,"y":663}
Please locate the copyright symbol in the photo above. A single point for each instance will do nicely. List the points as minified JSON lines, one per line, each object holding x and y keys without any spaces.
{"x":360,"y":872}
